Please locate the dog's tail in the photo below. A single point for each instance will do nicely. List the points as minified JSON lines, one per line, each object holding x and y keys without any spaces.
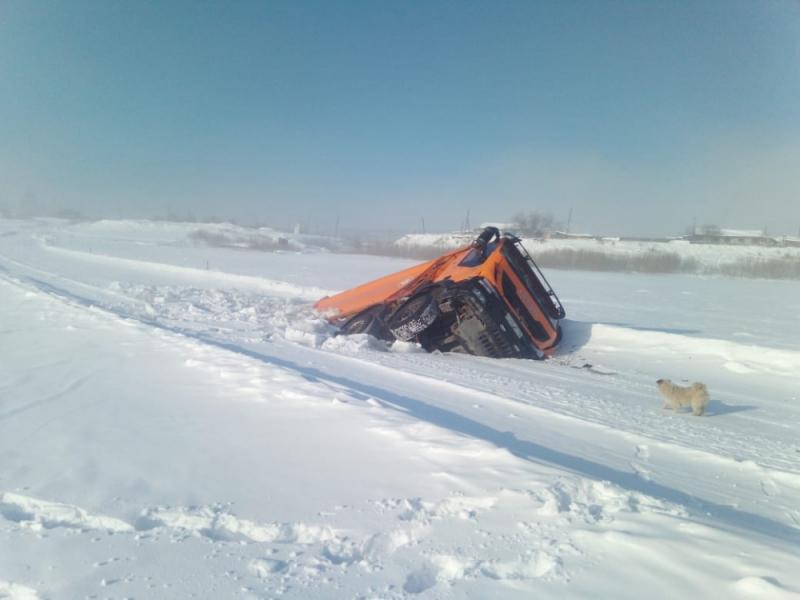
{"x":701,"y":387}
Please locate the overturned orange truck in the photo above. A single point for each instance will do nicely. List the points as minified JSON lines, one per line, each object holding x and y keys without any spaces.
{"x":488,"y":298}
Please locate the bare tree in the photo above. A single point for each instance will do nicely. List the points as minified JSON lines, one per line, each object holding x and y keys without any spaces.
{"x":535,"y":223}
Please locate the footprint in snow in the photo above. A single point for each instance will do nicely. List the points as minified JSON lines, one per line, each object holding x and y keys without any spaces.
{"x":643,"y":454}
{"x":769,"y":487}
{"x":640,"y":471}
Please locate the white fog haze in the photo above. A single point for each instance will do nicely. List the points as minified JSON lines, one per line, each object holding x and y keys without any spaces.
{"x":641,"y":119}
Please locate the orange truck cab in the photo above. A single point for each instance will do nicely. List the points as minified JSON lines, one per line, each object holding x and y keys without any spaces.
{"x":488,"y":298}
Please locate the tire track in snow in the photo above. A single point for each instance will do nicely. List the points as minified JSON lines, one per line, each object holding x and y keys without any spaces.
{"x":272,"y":286}
{"x":588,"y":409}
{"x":550,"y":388}
{"x":454,"y":421}
{"x":68,"y":388}
{"x":744,"y":474}
{"x":616,"y":405}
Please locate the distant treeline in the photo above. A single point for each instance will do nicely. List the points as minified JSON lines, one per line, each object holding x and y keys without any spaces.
{"x":786,"y":266}
{"x":653,"y":261}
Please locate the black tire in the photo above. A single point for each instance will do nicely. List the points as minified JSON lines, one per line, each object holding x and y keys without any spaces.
{"x":369,"y":321}
{"x":414,"y":316}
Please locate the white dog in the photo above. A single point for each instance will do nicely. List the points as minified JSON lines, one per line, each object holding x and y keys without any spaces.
{"x":676,"y":396}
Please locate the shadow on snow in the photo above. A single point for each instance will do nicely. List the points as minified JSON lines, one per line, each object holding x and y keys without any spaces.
{"x":728,"y":517}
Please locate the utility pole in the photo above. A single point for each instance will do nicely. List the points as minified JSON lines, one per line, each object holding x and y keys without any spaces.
{"x":569,"y":219}
{"x":423,"y":224}
{"x":336,"y":228}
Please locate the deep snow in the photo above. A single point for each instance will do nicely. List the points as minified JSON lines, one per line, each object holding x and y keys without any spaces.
{"x":175,"y":421}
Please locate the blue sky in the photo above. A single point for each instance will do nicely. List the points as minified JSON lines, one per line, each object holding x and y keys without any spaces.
{"x":641,"y":116}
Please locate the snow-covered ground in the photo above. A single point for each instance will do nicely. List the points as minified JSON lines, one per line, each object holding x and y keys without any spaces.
{"x":176,"y":422}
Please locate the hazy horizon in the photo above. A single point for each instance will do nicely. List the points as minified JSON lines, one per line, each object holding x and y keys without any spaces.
{"x":639,"y":118}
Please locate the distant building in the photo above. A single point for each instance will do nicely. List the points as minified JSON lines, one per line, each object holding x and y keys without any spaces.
{"x":743,"y":237}
{"x":793,"y":242}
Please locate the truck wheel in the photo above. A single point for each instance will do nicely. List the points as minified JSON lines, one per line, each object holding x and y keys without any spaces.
{"x":414,"y":317}
{"x":368,"y":321}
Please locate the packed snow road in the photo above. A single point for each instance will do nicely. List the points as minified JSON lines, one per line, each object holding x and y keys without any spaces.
{"x":175,"y":421}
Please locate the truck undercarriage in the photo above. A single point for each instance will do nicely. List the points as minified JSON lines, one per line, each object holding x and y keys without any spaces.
{"x":487,"y":299}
